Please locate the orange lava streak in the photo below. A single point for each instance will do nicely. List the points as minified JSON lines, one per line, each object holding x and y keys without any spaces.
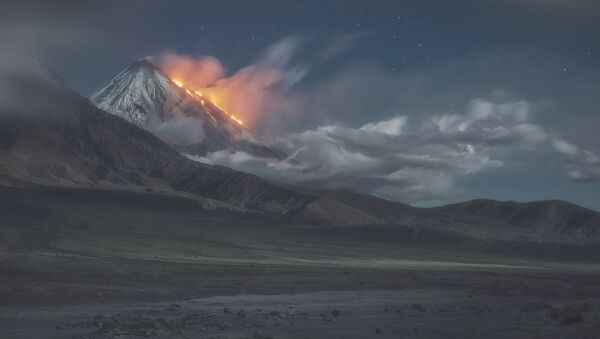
{"x":198,"y":94}
{"x":237,"y":120}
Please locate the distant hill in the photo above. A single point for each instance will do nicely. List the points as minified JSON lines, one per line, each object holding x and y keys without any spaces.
{"x":55,"y":137}
{"x":69,"y":142}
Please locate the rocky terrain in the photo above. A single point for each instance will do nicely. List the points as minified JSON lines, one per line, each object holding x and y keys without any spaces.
{"x":108,"y":232}
{"x":70,"y":142}
{"x":343,"y":314}
{"x":81,"y":263}
{"x":67,"y":141}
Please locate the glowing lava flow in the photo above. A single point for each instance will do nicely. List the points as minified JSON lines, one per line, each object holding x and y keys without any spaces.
{"x":198,"y":94}
{"x":178,"y":83}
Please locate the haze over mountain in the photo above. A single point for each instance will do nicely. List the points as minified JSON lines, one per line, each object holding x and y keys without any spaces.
{"x":143,"y":95}
{"x":299,"y":169}
{"x":60,"y":138}
{"x":69,"y":142}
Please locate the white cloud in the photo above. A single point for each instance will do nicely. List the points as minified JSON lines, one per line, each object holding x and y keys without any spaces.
{"x":392,"y":127}
{"x":183,"y":131}
{"x":411,"y":160}
{"x":564,"y":147}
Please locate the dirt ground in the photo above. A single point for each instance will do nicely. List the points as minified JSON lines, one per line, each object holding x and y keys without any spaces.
{"x":119,"y":268}
{"x":253,"y":301}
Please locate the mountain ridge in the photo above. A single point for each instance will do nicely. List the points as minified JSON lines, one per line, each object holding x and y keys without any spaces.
{"x":145,"y":96}
{"x":72,"y":143}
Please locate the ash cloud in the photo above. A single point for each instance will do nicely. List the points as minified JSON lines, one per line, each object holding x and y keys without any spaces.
{"x":252,"y":92}
{"x":197,"y":72}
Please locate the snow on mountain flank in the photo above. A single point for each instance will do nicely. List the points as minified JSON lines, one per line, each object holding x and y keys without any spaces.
{"x":137,"y":94}
{"x":143,"y":95}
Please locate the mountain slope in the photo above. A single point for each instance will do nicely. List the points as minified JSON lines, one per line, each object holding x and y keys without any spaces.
{"x":55,"y":137}
{"x":550,"y":220}
{"x":138,"y":94}
{"x":68,"y":141}
{"x":143,"y":95}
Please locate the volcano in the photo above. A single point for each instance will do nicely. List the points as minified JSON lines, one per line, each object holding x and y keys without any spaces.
{"x":145,"y":96}
{"x":51,"y":137}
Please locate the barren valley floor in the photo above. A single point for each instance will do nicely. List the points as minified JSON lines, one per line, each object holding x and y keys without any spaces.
{"x":139,"y":266}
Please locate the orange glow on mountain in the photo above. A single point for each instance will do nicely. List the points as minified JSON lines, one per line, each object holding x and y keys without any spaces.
{"x":178,"y":82}
{"x":237,"y":120}
{"x":213,"y":98}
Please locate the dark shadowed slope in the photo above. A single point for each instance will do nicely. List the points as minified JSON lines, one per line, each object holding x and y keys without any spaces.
{"x":540,"y":221}
{"x":52,"y":136}
{"x":60,"y":138}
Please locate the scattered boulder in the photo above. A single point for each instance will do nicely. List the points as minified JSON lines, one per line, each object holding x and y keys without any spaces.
{"x":418,"y":308}
{"x":140,"y":323}
{"x":106,"y":327}
{"x":568,"y":315}
{"x":572,"y":320}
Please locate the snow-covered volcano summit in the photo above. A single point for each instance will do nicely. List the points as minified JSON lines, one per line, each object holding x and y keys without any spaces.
{"x":143,"y":95}
{"x":139,"y":94}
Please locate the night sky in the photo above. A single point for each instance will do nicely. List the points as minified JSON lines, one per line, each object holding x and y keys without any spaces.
{"x":426,"y":102}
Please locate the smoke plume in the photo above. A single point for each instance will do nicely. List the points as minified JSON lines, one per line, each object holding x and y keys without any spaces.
{"x":252,"y":92}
